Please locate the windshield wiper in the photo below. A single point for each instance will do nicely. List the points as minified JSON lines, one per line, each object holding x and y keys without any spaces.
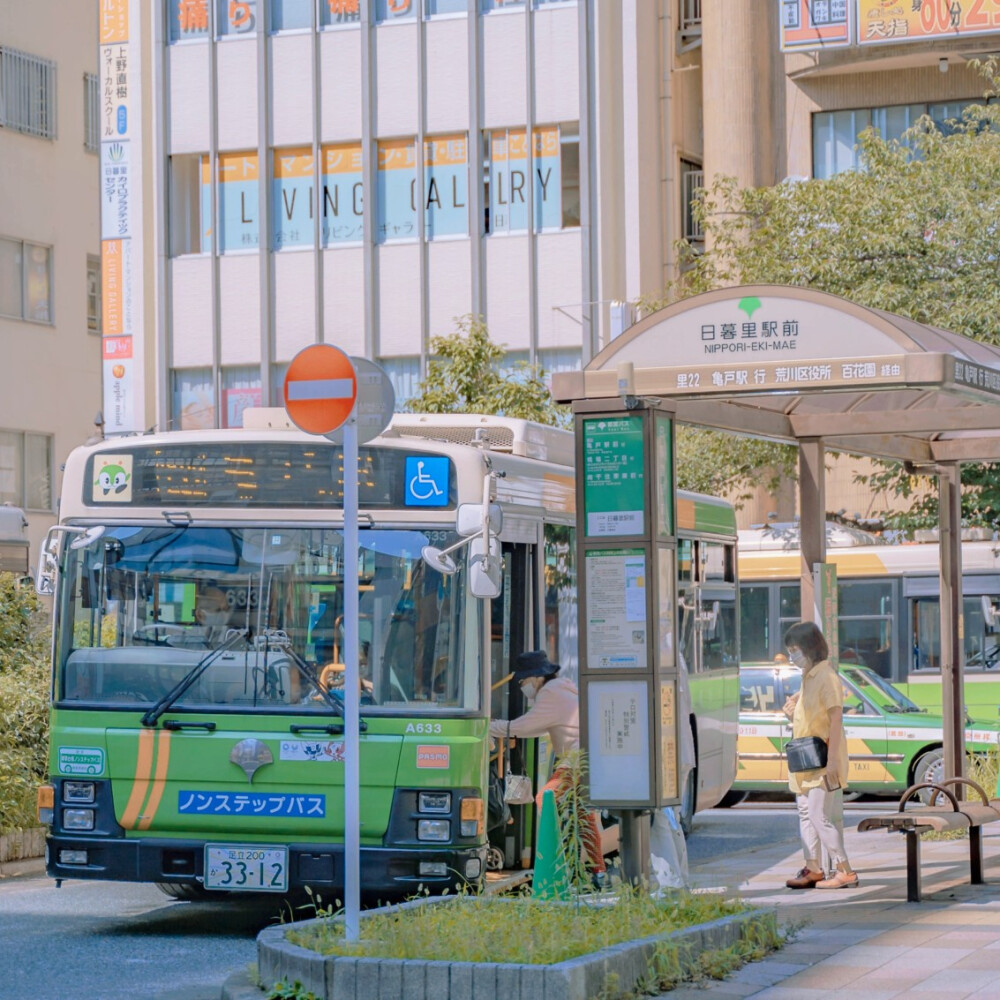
{"x":310,"y":675}
{"x":163,"y":705}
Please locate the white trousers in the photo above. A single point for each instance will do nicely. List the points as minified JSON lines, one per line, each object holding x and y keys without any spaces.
{"x":821,"y":824}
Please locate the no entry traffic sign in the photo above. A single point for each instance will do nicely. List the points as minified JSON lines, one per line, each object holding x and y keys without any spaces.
{"x":320,"y":388}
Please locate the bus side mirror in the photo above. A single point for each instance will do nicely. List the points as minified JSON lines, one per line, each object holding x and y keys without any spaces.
{"x":48,"y":564}
{"x":469,"y":519}
{"x":484,"y":568}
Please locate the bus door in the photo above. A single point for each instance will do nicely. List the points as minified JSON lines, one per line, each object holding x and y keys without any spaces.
{"x":512,"y":633}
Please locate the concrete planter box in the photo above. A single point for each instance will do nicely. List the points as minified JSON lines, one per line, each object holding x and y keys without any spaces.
{"x":338,"y":978}
{"x":20,"y":844}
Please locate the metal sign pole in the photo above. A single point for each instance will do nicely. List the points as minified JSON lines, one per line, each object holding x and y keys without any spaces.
{"x":352,"y":688}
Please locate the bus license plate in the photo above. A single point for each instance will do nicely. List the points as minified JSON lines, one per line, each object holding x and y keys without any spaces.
{"x":246,"y":867}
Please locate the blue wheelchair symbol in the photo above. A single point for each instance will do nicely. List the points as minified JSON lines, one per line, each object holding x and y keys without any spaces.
{"x":426,"y":481}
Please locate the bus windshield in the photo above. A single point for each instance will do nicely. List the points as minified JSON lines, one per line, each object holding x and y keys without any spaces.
{"x":141,"y":606}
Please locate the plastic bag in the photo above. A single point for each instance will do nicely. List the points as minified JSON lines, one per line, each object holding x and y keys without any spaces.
{"x":517,"y":789}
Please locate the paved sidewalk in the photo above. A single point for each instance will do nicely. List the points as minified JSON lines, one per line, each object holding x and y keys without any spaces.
{"x":869,"y":942}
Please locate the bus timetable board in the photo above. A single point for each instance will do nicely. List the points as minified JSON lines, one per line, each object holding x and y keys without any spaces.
{"x":270,"y":474}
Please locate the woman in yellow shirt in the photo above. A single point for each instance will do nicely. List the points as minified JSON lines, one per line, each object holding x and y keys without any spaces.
{"x":817,"y":710}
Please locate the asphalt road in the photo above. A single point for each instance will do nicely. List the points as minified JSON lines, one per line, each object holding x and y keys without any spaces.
{"x":119,"y":941}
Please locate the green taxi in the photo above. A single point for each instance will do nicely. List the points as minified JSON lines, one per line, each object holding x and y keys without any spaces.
{"x":891,"y":742}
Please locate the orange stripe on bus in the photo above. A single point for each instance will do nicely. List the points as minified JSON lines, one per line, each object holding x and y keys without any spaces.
{"x":160,"y":779}
{"x":140,"y":783}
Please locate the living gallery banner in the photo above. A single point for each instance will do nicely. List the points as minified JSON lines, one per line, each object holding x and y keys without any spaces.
{"x":341,"y":207}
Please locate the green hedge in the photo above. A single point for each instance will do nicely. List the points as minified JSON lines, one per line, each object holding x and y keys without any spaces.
{"x":24,"y":703}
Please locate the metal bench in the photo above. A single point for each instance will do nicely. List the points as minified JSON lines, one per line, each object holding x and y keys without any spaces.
{"x":971,"y":816}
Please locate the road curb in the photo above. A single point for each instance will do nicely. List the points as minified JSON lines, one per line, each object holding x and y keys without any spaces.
{"x":580,"y":978}
{"x":239,"y":986}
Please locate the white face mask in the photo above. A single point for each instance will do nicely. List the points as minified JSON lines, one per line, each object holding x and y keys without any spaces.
{"x":797,"y":657}
{"x":530,"y":688}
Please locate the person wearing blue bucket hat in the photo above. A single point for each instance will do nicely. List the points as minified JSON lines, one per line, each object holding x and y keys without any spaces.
{"x":554,"y":709}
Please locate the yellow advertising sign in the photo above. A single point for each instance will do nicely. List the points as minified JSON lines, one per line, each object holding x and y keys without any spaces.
{"x":445,"y":150}
{"x":112,"y":320}
{"x":112,"y":21}
{"x":882,"y":21}
{"x":295,"y":161}
{"x":513,"y":144}
{"x":397,"y":154}
{"x":237,"y":167}
{"x":344,"y":158}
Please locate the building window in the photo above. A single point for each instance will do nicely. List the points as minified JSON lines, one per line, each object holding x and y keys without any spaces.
{"x":25,"y":281}
{"x":439,"y":8}
{"x":236,"y":17}
{"x":292,"y":197}
{"x":835,"y":133}
{"x":395,"y":10}
{"x":559,"y":359}
{"x":91,"y":112}
{"x":278,"y":373}
{"x":690,"y":20}
{"x":339,"y":13}
{"x":555,"y":180}
{"x":193,"y":394}
{"x":291,"y":15}
{"x":189,"y":204}
{"x":188,"y":19}
{"x":26,"y":470}
{"x":394,"y":187}
{"x":446,"y":179}
{"x":487,"y":6}
{"x":692,"y":180}
{"x":27,"y":93}
{"x":237,"y":202}
{"x":404,"y":374}
{"x":93,"y":294}
{"x":241,"y":390}
{"x":343,"y":195}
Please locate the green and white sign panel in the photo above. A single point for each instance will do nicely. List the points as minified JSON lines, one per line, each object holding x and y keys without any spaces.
{"x":81,"y":760}
{"x":614,"y":477}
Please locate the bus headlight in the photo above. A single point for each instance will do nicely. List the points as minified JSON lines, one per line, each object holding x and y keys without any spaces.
{"x":471,"y":813}
{"x":434,"y":829}
{"x":434,"y":802}
{"x":78,"y":819}
{"x":78,"y":791}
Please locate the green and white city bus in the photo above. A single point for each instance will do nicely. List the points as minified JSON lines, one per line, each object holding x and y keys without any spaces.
{"x":889,"y":611}
{"x":197,"y":728}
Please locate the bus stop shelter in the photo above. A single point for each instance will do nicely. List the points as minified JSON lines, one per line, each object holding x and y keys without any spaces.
{"x":808,"y":368}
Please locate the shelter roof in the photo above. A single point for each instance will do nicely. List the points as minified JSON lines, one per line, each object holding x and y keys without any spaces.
{"x":788,"y":363}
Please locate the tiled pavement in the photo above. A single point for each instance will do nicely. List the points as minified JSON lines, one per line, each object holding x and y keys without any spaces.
{"x":869,"y":942}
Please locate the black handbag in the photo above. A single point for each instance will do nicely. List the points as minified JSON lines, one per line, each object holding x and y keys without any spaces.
{"x":807,"y":753}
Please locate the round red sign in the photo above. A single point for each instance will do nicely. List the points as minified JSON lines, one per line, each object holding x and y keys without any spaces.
{"x":320,"y":388}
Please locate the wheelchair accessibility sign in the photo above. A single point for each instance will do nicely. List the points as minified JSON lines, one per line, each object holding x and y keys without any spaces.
{"x":426,"y":481}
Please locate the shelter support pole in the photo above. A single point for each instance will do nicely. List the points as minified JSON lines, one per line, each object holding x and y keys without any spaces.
{"x":812,"y":520}
{"x":952,"y":625}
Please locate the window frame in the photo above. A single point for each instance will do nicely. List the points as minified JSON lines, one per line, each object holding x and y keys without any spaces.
{"x":50,"y":271}
{"x":21,"y":499}
{"x":33,"y":83}
{"x":91,"y":112}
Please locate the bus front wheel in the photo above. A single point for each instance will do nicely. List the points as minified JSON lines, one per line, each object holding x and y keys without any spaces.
{"x":688,"y":801}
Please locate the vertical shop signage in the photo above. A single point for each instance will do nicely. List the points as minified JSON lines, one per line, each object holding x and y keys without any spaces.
{"x":121,"y":215}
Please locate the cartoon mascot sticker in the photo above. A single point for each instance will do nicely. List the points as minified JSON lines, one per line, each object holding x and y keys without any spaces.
{"x":113,"y":482}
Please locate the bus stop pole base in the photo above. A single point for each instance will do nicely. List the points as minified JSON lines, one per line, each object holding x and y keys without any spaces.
{"x":634,"y":847}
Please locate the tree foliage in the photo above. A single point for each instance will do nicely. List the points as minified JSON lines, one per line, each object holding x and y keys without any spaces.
{"x":24,"y":702}
{"x":465,"y":376}
{"x":913,"y":232}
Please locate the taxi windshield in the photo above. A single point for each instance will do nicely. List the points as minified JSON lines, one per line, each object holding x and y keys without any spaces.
{"x":878,"y":691}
